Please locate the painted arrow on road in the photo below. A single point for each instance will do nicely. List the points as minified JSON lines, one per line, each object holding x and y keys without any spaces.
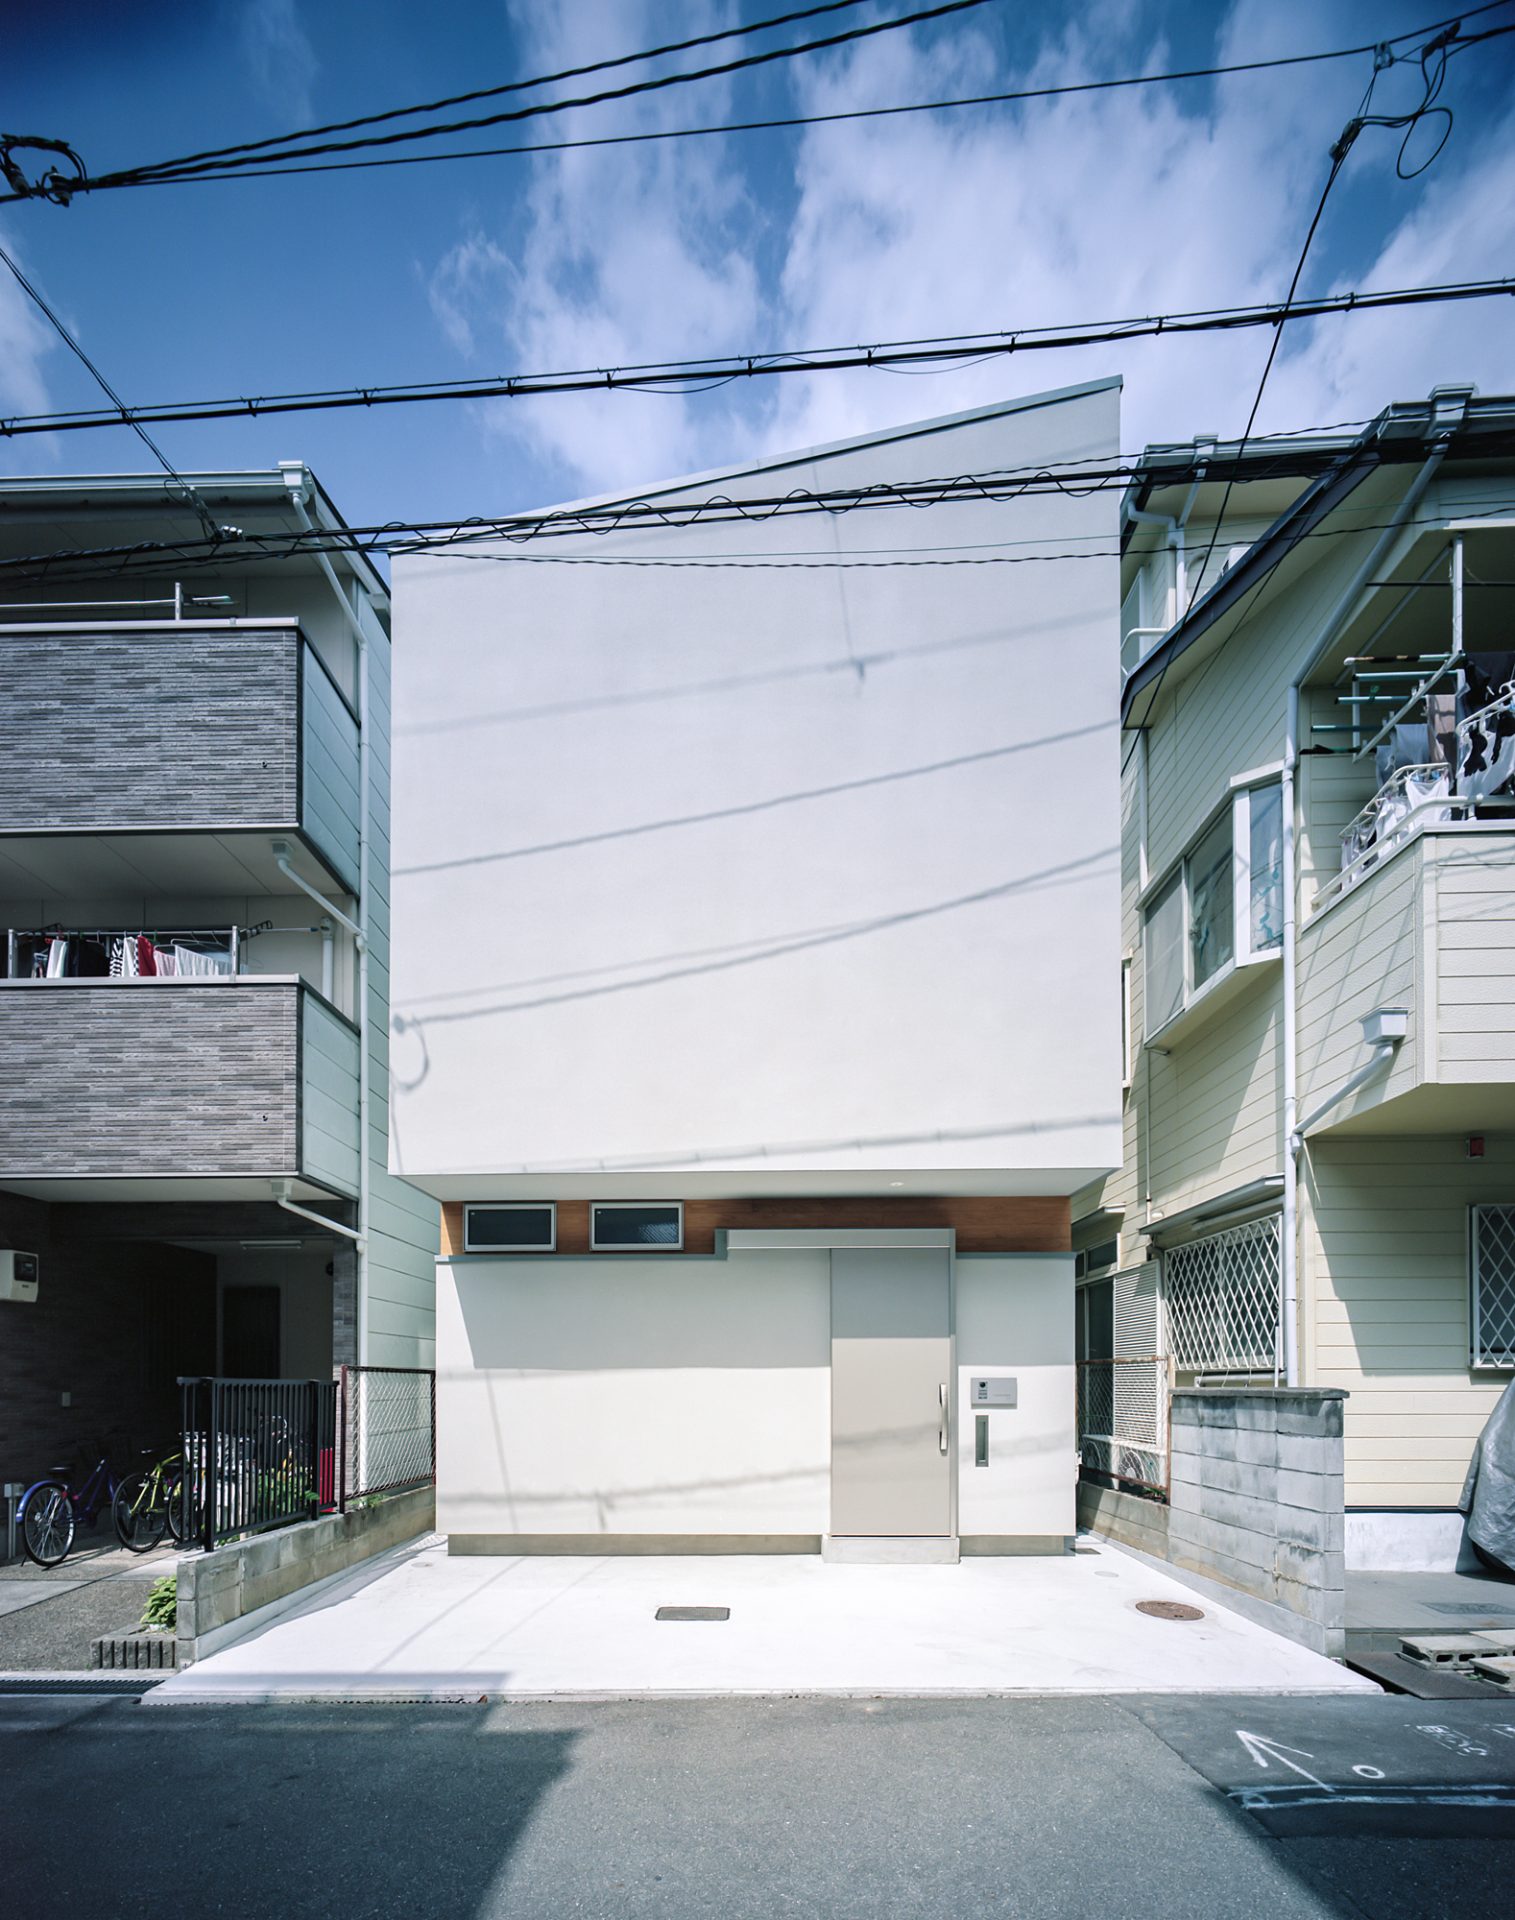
{"x":1265,"y":1751}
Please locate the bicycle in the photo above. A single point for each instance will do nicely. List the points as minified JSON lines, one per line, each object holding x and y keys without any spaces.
{"x":50,"y":1510}
{"x":150,"y":1503}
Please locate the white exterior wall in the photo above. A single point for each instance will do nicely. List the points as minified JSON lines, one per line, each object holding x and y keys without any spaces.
{"x":781,"y":870}
{"x":685,"y":1396}
{"x":1015,"y":1316}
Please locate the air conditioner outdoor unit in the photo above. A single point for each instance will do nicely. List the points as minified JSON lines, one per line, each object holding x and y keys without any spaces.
{"x":18,"y":1275}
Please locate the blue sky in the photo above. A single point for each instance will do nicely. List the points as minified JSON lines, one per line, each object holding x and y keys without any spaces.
{"x":1144,"y":201}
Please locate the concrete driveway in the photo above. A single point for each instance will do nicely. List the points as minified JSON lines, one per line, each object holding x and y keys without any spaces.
{"x":416,"y":1625}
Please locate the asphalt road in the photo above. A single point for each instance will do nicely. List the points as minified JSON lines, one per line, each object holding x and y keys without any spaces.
{"x":1042,"y":1809}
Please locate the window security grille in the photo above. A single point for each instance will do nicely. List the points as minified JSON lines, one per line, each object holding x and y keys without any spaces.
{"x":1223,"y":1297}
{"x":1494,"y":1286}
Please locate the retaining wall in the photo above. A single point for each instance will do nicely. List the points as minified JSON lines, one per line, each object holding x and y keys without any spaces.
{"x":218,"y":1591}
{"x":1255,"y":1504}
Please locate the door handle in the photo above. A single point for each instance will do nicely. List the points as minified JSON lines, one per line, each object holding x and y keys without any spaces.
{"x":941,"y":1394}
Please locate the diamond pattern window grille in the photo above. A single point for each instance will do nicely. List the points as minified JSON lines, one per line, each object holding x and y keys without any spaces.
{"x":1223,"y":1296}
{"x":1494,"y":1286}
{"x":1123,"y":1419}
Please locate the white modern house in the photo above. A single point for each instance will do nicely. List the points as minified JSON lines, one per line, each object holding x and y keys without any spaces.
{"x":194,"y":792}
{"x":1318,"y":1183}
{"x":755,"y":931}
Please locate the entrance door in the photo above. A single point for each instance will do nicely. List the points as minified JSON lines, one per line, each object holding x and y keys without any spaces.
{"x":250,"y":1333}
{"x":891,"y":1354}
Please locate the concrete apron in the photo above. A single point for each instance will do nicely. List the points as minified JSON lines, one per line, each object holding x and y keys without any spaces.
{"x":415,"y":1625}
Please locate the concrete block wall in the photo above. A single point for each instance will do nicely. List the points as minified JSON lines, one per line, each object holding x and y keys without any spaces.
{"x":218,"y":1590}
{"x":1256,"y":1498}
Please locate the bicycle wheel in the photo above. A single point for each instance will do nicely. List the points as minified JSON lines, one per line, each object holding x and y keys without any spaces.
{"x":179,"y":1523}
{"x":47,"y":1523}
{"x":140,"y":1511}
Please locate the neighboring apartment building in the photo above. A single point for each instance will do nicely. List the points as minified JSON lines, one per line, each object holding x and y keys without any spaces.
{"x":1319,"y":924}
{"x":193,"y":832}
{"x":755,"y":918}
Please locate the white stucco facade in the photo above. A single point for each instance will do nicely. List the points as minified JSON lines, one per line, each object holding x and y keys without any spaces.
{"x":793,"y":869}
{"x":769,"y":867}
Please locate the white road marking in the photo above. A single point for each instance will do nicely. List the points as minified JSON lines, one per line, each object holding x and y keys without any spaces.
{"x":1263,"y":1750}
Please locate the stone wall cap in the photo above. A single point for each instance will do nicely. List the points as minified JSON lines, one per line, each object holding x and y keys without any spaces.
{"x":1261,"y":1393}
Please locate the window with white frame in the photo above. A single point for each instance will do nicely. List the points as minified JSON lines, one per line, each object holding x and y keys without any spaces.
{"x":1492,"y":1245}
{"x":626,"y":1227}
{"x":1220,"y":907}
{"x":1222,"y":1296}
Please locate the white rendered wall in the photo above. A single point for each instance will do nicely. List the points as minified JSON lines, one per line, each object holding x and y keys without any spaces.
{"x":630,"y":1394}
{"x":1015,"y":1316}
{"x":788,"y":870}
{"x":678,"y":1395}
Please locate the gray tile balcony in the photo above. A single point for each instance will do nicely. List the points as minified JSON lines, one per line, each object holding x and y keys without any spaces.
{"x":175,"y":1089}
{"x":163,"y":758}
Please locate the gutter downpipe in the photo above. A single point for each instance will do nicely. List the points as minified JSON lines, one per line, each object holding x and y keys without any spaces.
{"x":1293,"y":1139}
{"x":297,"y":493}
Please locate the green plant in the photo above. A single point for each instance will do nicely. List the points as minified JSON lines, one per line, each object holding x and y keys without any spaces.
{"x":162,"y":1609}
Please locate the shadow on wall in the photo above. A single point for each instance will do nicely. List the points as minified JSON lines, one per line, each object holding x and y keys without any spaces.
{"x":573,"y":1316}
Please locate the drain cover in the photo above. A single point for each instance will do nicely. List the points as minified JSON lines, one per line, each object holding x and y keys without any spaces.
{"x":1464,"y":1607}
{"x":694,"y":1613}
{"x":1169,"y":1610}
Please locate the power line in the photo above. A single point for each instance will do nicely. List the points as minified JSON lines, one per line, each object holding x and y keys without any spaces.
{"x":676,"y":375}
{"x":187,"y":492}
{"x":62,"y":188}
{"x":398,"y":538}
{"x":188,"y":168}
{"x":529,"y":86}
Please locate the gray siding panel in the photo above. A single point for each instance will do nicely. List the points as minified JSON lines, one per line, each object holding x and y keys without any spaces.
{"x":330,"y":775}
{"x":177,"y":727}
{"x":164,"y":1080}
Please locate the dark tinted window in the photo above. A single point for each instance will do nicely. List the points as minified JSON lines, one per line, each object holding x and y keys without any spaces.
{"x":659,"y":1226}
{"x":508,"y":1228}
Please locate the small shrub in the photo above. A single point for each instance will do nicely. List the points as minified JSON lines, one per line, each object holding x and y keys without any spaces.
{"x":162,"y":1609}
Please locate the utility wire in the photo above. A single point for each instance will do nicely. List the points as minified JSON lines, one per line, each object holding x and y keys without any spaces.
{"x":187,"y":492}
{"x":180,"y":169}
{"x":527,"y":86}
{"x":676,"y":375}
{"x":156,"y":556}
{"x":63,"y":187}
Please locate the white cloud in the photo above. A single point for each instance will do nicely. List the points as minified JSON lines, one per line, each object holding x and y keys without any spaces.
{"x":279,"y":56}
{"x":1146,"y":200}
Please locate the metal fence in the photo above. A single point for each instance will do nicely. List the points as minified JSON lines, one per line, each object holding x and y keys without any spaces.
{"x":1123,"y":1420}
{"x":388,"y":1430}
{"x":257,"y":1454}
{"x":1224,"y":1295}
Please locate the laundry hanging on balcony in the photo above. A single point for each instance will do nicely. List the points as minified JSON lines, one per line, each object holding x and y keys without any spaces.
{"x":1486,"y":726}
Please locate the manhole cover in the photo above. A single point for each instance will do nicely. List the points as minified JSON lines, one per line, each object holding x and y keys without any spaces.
{"x":694,"y":1613}
{"x":1169,"y":1610}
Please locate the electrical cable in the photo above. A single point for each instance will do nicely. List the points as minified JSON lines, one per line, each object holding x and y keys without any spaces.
{"x":187,"y":492}
{"x":61,"y":189}
{"x":186,"y":168}
{"x":529,"y":86}
{"x":675,"y":375}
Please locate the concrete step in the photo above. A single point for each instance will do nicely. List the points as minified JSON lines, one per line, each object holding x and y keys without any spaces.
{"x":1499,"y":1667}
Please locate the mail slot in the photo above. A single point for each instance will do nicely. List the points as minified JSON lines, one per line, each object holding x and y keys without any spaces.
{"x":992,"y":1390}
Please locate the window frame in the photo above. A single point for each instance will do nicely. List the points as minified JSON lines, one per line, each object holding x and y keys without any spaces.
{"x":1236,"y":808}
{"x":596,"y":1245}
{"x":1478,"y":1360}
{"x":470,"y":1207}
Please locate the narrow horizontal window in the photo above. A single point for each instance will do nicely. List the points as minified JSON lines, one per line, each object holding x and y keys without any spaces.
{"x":523,"y":1229}
{"x":632,"y":1227}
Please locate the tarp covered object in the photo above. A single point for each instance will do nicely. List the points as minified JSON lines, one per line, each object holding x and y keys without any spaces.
{"x":1488,"y":1494}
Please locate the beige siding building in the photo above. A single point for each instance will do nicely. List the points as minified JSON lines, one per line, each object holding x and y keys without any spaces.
{"x":1318,"y":923}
